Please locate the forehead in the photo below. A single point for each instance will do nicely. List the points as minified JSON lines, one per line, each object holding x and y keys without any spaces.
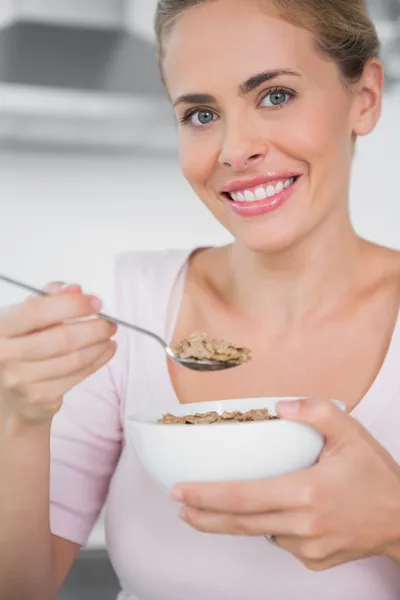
{"x":224,"y":42}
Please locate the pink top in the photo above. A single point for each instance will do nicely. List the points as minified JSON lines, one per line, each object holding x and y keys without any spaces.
{"x":155,"y":555}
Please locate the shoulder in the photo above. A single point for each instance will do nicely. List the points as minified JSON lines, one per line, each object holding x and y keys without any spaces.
{"x":148,"y":267}
{"x":390,"y":261}
{"x":381,"y":262}
{"x":141,"y":261}
{"x":383,"y":268}
{"x":142,"y":278}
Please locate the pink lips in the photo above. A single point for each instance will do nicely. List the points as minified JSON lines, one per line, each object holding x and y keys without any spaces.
{"x":248,"y":184}
{"x":262,"y":207}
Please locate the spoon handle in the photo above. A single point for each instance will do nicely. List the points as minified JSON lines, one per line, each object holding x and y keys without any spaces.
{"x":24,"y":286}
{"x":136,"y":328}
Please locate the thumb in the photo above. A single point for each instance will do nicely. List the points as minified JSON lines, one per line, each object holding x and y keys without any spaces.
{"x":326,"y":416}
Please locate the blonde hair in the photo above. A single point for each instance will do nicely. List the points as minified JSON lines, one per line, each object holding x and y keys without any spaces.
{"x":343,"y":29}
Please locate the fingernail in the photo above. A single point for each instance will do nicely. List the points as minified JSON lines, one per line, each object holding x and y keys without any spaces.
{"x":289,"y":408}
{"x":96,"y":303}
{"x":70,"y":286}
{"x":177,"y":494}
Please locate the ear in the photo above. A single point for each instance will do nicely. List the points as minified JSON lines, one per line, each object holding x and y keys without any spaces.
{"x":369,"y":91}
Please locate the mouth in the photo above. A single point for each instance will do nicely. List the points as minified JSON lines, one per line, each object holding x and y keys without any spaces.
{"x":260,"y":192}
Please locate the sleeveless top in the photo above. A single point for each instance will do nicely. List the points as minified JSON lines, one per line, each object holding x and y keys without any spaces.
{"x":155,"y":555}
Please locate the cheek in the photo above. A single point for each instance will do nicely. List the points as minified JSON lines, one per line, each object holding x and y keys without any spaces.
{"x":318,"y":138}
{"x":198,"y":157}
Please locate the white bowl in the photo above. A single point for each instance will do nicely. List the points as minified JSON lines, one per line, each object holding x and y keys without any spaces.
{"x":220,"y":452}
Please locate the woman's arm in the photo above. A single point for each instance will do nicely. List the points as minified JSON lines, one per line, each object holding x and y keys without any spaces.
{"x":44,"y":353}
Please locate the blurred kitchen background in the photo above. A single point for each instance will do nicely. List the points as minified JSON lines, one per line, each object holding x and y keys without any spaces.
{"x":89,"y":169}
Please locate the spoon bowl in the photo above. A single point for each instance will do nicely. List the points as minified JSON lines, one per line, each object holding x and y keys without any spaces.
{"x":200,"y":365}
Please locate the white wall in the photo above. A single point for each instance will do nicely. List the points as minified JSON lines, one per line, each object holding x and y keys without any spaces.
{"x":375,"y":193}
{"x":65,"y":216}
{"x":139,"y":16}
{"x":96,"y":13}
{"x":7,"y":10}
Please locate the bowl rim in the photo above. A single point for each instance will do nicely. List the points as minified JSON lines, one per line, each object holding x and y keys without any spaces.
{"x":133,"y":417}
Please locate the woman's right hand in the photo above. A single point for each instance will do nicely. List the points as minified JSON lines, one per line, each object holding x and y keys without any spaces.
{"x":43,"y":354}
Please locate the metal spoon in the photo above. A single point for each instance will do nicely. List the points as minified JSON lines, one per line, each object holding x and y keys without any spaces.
{"x":189,"y":363}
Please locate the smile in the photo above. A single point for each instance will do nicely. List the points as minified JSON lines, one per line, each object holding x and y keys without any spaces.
{"x":261,"y":192}
{"x":261,"y":198}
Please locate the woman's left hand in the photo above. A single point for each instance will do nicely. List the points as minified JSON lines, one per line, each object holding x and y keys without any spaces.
{"x":345,"y":507}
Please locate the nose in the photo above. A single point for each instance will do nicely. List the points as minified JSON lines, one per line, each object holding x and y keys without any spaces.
{"x":242,"y":149}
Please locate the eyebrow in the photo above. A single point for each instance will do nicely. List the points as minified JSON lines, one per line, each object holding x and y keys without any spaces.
{"x":254,"y":82}
{"x":245,"y":88}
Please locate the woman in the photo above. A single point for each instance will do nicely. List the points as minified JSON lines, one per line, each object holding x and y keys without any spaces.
{"x":269,"y":112}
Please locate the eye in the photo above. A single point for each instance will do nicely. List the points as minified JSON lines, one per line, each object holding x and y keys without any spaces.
{"x":198,"y":118}
{"x":277,"y":97}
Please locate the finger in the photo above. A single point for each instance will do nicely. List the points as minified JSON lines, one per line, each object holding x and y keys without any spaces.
{"x":59,"y":287}
{"x":39,"y":312}
{"x":45,"y":392}
{"x":280,"y":493}
{"x":325,"y":416}
{"x":57,"y":341}
{"x":284,"y":523}
{"x":317,"y":554}
{"x":22,"y":374}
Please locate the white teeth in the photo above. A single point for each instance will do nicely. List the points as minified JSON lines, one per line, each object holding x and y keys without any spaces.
{"x":270,"y":191}
{"x":260,"y":193}
{"x":249,"y":196}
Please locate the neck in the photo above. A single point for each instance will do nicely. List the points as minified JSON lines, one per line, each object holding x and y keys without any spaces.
{"x":303,"y":281}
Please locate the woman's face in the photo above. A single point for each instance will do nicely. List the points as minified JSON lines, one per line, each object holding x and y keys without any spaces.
{"x":266,"y":127}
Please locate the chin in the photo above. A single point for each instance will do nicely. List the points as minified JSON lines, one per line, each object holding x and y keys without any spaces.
{"x":267,"y":236}
{"x":267,"y":230}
